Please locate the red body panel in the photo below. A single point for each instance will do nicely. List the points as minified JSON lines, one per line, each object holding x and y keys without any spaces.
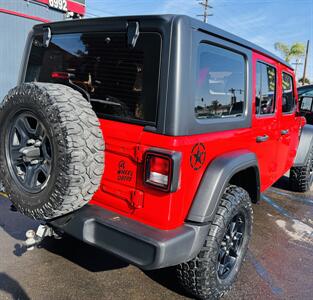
{"x":126,"y":143}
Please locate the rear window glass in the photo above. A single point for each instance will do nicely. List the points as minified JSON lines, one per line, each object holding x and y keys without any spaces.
{"x":221,"y":83}
{"x":122,"y":82}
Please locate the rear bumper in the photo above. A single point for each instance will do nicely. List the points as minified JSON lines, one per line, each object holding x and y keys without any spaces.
{"x":142,"y":245}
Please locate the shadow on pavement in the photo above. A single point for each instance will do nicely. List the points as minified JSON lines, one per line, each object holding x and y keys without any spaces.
{"x":13,"y":223}
{"x":12,"y":287}
{"x":167,"y":278}
{"x":97,"y":260}
{"x":82,"y":254}
{"x":283,"y":184}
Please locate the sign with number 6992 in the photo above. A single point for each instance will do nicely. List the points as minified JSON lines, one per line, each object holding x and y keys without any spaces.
{"x":58,"y":4}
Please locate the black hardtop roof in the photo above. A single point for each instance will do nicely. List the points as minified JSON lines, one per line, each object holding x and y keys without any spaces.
{"x":171,"y":18}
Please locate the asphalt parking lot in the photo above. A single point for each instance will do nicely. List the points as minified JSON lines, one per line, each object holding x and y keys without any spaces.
{"x":279,"y":264}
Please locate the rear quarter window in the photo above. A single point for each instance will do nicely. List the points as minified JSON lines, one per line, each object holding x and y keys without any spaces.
{"x":220,"y":83}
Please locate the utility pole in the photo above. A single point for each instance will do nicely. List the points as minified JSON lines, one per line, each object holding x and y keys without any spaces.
{"x":206,"y":7}
{"x":305,"y":62}
{"x":297,"y":63}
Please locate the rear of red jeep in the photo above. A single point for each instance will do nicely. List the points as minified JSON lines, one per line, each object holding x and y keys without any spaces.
{"x":186,"y":147}
{"x":123,"y":67}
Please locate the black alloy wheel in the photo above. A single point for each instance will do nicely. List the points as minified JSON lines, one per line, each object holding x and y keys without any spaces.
{"x":29,"y":152}
{"x":231,"y":246}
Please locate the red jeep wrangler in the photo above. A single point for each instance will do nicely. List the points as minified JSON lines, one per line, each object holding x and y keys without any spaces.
{"x":195,"y":124}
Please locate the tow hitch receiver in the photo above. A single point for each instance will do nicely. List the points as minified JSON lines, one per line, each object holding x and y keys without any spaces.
{"x":35,"y":238}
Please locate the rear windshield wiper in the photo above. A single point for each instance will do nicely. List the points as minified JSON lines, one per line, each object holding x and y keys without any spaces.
{"x":106,"y":102}
{"x":109,"y":100}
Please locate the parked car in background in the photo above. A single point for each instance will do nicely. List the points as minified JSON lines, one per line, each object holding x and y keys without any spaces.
{"x":306,"y":90}
{"x":306,"y":108}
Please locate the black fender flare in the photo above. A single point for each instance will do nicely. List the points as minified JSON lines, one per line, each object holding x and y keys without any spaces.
{"x":306,"y":143}
{"x":214,"y":181}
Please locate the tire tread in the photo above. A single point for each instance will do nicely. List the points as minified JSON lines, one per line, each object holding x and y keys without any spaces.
{"x":80,"y":146}
{"x":200,"y":279}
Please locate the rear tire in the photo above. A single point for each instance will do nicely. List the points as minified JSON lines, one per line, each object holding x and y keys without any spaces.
{"x":204,"y":277}
{"x":301,"y":178}
{"x":51,"y":149}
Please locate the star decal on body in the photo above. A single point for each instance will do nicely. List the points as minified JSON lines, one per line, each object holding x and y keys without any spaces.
{"x":197,"y":156}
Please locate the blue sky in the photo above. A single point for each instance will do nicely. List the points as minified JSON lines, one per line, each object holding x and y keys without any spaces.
{"x":263,"y":22}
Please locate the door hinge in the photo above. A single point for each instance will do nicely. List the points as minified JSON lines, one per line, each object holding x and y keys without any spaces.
{"x":46,"y":37}
{"x":138,"y":153}
{"x":136,"y":198}
{"x":133,"y":32}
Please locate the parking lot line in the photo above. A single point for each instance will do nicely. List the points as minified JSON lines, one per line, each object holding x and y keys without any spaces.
{"x":263,"y":273}
{"x":292,"y":196}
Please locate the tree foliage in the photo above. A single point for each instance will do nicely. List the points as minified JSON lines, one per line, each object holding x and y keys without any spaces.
{"x":296,"y":50}
{"x":306,"y":81}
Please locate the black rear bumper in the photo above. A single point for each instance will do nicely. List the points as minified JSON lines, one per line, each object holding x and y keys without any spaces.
{"x":142,"y":245}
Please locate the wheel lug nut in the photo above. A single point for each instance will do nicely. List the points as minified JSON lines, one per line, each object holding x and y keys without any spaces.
{"x":31,"y":142}
{"x":227,"y":251}
{"x":34,"y":162}
{"x":227,"y":237}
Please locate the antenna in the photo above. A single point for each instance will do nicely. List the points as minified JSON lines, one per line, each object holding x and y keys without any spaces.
{"x":206,"y":7}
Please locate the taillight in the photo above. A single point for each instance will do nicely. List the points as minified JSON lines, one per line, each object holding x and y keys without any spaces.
{"x":162,"y":170}
{"x":60,"y":75}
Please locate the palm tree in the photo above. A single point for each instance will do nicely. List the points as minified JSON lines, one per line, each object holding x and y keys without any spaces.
{"x":306,"y":81}
{"x":296,"y":50}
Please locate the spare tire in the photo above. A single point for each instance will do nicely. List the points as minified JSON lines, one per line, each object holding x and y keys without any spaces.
{"x":51,"y":149}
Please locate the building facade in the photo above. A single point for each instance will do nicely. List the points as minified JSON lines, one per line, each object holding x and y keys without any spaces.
{"x":17,"y":17}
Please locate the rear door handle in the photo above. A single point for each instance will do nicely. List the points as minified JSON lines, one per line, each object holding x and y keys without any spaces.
{"x":262,"y":138}
{"x":284,"y":132}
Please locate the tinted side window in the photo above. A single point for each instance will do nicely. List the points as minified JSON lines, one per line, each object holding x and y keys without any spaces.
{"x":220,"y":85}
{"x":265,"y":89}
{"x":288,"y":95}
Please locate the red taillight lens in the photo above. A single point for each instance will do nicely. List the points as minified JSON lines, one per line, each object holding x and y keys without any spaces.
{"x":60,"y":75}
{"x":158,"y":170}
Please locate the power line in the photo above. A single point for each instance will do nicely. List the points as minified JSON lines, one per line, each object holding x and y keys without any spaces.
{"x":206,"y":7}
{"x":88,"y":14}
{"x":99,"y":11}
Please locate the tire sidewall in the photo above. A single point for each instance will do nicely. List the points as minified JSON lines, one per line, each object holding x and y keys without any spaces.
{"x":199,"y":277}
{"x":309,"y":166}
{"x":245,"y":209}
{"x":18,"y":103}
